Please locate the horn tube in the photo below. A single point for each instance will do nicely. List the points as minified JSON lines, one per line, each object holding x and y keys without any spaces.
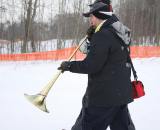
{"x":39,"y":100}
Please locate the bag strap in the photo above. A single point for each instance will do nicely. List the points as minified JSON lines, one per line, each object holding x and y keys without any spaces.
{"x":128,"y":52}
{"x":133,"y":69}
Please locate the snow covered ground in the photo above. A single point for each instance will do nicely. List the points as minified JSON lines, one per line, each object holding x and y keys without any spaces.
{"x":64,"y":100}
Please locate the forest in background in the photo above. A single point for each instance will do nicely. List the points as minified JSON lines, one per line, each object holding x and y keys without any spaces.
{"x":24,"y":22}
{"x":142,"y":16}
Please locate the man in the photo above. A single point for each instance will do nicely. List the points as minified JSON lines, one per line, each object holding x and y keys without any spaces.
{"x":109,"y":86}
{"x":84,"y":48}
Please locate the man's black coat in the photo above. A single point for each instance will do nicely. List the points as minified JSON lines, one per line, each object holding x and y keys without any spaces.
{"x":109,"y":81}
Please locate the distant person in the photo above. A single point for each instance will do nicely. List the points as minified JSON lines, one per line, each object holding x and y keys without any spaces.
{"x":109,"y":90}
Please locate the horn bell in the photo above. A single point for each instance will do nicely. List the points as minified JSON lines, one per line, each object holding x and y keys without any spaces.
{"x":37,"y":100}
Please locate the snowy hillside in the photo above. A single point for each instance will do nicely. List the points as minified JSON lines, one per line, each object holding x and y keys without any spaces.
{"x":64,"y":100}
{"x":50,"y":45}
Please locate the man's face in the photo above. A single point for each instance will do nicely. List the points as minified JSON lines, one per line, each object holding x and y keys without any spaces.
{"x":93,"y":20}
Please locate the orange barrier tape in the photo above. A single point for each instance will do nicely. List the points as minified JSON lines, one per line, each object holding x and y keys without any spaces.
{"x":145,"y":51}
{"x":63,"y":54}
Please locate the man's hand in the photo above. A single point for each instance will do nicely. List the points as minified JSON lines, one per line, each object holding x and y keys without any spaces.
{"x":65,"y":66}
{"x":90,"y":32}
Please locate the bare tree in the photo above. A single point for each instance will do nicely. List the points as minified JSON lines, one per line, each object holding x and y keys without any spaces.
{"x":30,"y":7}
{"x":143,"y":18}
{"x":32,"y":23}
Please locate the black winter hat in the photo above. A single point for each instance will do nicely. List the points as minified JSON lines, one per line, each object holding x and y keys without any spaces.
{"x":99,"y":10}
{"x":108,"y":2}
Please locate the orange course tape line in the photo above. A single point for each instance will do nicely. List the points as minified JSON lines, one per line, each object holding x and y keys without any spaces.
{"x":62,"y":54}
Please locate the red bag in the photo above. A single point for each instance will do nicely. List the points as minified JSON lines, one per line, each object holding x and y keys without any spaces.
{"x":138,"y":89}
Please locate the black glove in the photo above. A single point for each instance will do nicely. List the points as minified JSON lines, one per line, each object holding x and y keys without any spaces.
{"x":90,"y":32}
{"x":65,"y":66}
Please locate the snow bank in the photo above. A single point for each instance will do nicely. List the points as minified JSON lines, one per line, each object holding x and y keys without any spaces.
{"x":64,"y":100}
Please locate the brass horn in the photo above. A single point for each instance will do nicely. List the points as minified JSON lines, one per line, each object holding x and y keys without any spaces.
{"x":39,"y":100}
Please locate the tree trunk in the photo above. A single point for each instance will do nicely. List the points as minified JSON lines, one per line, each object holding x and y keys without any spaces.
{"x":27,"y":26}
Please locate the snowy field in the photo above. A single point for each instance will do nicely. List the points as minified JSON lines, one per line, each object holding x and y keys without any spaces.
{"x":64,"y":99}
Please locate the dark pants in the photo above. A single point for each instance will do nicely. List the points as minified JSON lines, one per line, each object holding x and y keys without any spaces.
{"x":99,"y":118}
